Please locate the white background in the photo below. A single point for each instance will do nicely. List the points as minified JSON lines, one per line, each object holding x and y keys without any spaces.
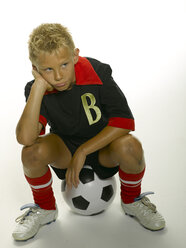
{"x":144,"y":41}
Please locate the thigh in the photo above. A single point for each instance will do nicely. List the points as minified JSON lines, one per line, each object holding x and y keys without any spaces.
{"x":108,"y":155}
{"x":102,"y":172}
{"x":106,"y":159}
{"x":54,"y":151}
{"x":124,"y":150}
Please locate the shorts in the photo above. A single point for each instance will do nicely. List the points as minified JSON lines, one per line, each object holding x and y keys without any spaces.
{"x":91,"y":159}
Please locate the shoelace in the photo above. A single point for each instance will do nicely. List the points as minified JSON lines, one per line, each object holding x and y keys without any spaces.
{"x":146,"y":200}
{"x":149,"y":204}
{"x":32,"y":208}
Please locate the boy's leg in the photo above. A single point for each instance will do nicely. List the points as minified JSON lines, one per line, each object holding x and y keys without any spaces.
{"x":127,"y":152}
{"x":49,"y":149}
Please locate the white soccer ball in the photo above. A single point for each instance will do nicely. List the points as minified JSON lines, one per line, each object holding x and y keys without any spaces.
{"x":92,"y":196}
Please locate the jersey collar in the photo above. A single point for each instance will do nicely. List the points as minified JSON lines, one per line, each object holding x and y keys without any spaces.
{"x":85,"y":73}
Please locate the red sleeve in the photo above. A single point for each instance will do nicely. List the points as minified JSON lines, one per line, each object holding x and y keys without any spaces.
{"x":43,"y":121}
{"x":122,"y":123}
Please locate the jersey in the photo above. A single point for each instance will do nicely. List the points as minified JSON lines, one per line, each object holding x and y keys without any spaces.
{"x":94,"y":102}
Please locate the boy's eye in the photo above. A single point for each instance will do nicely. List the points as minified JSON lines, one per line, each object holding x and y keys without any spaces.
{"x":64,"y":65}
{"x":48,"y":69}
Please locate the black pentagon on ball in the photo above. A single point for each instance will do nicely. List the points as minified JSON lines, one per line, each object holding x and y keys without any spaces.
{"x":86,"y":175}
{"x":107,"y":193}
{"x":80,"y":203}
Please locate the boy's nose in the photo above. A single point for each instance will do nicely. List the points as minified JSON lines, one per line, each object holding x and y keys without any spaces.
{"x":58,"y":75}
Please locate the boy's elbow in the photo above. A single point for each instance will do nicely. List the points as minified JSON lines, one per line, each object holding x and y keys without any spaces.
{"x":24,"y":139}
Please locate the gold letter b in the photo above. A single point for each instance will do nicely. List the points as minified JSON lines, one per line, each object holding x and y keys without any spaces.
{"x":91,"y":106}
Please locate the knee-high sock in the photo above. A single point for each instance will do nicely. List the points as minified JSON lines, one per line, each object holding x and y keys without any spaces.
{"x":42,"y":190}
{"x":130,"y":185}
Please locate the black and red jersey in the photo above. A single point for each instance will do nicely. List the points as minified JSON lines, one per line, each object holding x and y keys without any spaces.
{"x":94,"y":102}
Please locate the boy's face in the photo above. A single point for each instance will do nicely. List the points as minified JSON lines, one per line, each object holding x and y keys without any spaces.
{"x":57,"y":68}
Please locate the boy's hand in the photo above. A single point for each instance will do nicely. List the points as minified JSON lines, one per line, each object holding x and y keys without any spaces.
{"x":72,"y":174}
{"x":41,"y":81}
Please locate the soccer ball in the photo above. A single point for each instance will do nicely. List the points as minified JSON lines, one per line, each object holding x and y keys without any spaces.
{"x":92,"y":196}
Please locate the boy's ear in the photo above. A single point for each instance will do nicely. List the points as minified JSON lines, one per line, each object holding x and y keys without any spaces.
{"x":34,"y":67}
{"x":76,"y":55}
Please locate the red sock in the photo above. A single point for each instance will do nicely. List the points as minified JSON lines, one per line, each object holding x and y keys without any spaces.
{"x":42,"y":191}
{"x":130,"y":186}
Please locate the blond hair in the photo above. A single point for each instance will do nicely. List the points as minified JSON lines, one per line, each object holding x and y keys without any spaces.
{"x":49,"y":37}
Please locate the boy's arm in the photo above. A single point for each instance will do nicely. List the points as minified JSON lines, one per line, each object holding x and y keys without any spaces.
{"x":28,"y":127}
{"x":102,"y":139}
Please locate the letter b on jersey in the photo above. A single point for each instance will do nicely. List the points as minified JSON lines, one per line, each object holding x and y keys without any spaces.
{"x":90,"y":106}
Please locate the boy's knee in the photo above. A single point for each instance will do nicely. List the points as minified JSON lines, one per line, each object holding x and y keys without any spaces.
{"x":127,"y":144}
{"x":134,"y":145}
{"x":32,"y":155}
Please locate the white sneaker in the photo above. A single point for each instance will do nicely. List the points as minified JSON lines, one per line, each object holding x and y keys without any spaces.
{"x":30,"y":222}
{"x":145,"y":212}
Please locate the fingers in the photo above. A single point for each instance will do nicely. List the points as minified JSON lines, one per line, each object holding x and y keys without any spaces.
{"x":40,"y":79}
{"x":72,"y":175}
{"x":72,"y":178}
{"x":35,"y":73}
{"x":69,"y":178}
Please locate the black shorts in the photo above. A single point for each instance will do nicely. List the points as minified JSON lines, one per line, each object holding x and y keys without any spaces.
{"x":92,"y":160}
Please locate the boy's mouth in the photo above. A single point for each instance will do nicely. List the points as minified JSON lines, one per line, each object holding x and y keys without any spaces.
{"x":60,"y":85}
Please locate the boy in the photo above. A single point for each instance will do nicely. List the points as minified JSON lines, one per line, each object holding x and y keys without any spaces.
{"x":90,"y":122}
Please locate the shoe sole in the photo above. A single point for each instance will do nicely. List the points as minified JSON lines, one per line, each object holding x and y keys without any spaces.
{"x":24,"y":240}
{"x":153,"y":230}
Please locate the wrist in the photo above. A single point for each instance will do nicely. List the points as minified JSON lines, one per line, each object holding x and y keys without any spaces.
{"x":82,"y":150}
